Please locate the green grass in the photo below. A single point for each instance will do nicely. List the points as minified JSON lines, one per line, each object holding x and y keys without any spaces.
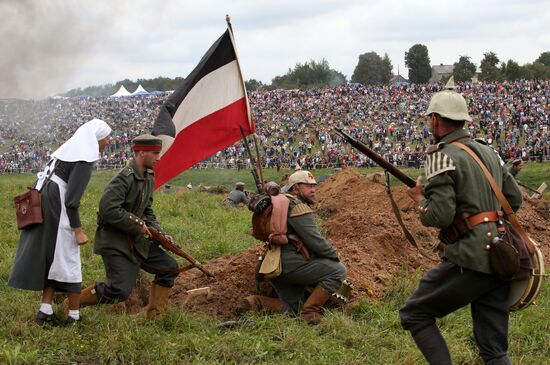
{"x":368,"y":333}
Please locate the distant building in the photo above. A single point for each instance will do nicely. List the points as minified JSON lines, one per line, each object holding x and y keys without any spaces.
{"x":398,"y":79}
{"x":441,"y":71}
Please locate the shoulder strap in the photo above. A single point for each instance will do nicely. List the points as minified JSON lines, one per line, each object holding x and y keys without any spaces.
{"x":501,"y":198}
{"x":49,"y":173}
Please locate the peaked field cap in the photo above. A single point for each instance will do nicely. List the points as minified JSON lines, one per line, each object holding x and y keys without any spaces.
{"x":146,"y":142}
{"x":240,"y":183}
{"x":517,"y":161}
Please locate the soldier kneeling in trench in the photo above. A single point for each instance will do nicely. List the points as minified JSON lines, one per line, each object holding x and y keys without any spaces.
{"x":322,"y":269}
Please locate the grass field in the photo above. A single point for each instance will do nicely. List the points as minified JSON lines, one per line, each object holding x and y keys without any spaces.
{"x":368,"y":333}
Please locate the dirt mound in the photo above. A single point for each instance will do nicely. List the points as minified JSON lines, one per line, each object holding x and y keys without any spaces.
{"x":359,"y":221}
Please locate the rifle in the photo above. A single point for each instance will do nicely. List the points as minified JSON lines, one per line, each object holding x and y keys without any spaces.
{"x":528,"y":188}
{"x":395,"y":172}
{"x":253,"y":171}
{"x":376,"y":158}
{"x":172,"y":247}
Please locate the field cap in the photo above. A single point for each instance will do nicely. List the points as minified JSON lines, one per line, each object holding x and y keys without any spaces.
{"x":146,"y":142}
{"x":301,"y":177}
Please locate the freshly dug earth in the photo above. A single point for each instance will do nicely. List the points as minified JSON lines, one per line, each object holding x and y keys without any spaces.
{"x":359,"y":221}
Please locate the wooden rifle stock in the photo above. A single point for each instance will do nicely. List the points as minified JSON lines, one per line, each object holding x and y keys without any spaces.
{"x":172,"y":247}
{"x":361,"y":147}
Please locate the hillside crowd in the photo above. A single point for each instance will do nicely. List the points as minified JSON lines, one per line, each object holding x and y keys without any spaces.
{"x":295,"y":126}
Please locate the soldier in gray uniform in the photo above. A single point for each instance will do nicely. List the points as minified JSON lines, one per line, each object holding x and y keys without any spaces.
{"x":125,"y":211}
{"x":237,"y":195}
{"x":324,"y":270}
{"x":458,"y":189}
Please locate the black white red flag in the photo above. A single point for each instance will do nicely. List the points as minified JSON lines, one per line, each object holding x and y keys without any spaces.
{"x":205,"y":113}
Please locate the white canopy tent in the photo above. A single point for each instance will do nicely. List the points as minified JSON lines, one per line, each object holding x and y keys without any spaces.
{"x":121,"y":92}
{"x":140,"y":91}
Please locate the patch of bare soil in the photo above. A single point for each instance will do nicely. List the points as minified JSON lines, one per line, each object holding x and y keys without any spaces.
{"x":360,"y":223}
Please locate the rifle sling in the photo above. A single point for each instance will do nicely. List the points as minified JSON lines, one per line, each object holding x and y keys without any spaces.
{"x":406,"y":232}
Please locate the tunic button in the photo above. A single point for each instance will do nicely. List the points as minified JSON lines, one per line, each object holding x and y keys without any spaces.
{"x":489,"y":234}
{"x":486,"y":219}
{"x":488,"y":248}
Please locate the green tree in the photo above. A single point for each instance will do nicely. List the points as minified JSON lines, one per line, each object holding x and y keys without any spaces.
{"x":544,"y":58}
{"x":387,"y":69}
{"x":252,"y":85}
{"x":489,"y":68}
{"x":368,"y":69}
{"x":512,"y":71}
{"x":418,"y":62}
{"x":308,"y":75}
{"x":336,"y":78}
{"x":535,"y":71}
{"x":464,"y":69}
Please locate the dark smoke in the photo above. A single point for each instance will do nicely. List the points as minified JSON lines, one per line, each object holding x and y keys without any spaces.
{"x":42,"y":44}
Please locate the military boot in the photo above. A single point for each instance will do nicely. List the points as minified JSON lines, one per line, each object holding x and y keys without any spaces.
{"x":158,"y":299}
{"x":312,"y":311}
{"x":88,"y":297}
{"x":259,"y":303}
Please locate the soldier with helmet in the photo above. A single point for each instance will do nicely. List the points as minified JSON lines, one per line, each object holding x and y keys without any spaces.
{"x":458,"y":191}
{"x":125,"y":211}
{"x":323,"y":270}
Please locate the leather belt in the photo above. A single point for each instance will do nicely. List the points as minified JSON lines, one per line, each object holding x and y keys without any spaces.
{"x":483,"y":217}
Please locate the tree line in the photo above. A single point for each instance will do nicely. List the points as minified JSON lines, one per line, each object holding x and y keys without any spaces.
{"x":371,"y":69}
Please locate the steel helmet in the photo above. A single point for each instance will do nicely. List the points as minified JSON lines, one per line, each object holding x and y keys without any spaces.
{"x":449,"y":104}
{"x":301,"y":177}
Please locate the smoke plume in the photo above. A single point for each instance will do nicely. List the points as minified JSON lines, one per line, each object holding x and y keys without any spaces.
{"x":42,"y":45}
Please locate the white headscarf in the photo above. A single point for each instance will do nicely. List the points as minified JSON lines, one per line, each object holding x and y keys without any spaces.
{"x":83,"y":145}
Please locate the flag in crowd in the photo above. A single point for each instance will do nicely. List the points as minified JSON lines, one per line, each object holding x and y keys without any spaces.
{"x":205,"y":113}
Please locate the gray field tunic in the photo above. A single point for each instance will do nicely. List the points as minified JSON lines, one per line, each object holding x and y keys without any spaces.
{"x":38,"y":244}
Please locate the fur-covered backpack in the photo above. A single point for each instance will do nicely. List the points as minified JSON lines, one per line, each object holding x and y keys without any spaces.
{"x":270,"y":216}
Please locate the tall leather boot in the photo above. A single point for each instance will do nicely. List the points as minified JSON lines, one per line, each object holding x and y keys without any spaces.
{"x":312,"y":311}
{"x":259,"y":303}
{"x":88,"y":297}
{"x":158,"y":299}
{"x":432,"y":345}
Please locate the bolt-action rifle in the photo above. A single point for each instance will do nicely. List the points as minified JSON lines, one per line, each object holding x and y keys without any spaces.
{"x":169,"y":245}
{"x":253,"y":171}
{"x":388,"y":166}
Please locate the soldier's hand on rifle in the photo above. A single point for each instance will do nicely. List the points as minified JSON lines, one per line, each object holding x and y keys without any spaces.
{"x":417,"y":193}
{"x":145,"y":231}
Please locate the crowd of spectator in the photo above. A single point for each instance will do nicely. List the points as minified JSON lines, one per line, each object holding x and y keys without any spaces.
{"x":295,"y":127}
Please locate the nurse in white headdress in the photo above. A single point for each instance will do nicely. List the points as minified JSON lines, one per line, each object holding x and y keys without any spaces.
{"x":48,"y":255}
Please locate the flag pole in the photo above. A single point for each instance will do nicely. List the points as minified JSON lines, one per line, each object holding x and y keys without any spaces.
{"x":248,"y":114}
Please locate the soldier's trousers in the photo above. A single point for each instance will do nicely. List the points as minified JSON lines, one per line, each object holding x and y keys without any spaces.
{"x":448,"y":287}
{"x":290,"y":286}
{"x":121,"y":274}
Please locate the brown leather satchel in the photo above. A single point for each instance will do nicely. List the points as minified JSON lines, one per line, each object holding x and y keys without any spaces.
{"x":28,"y":208}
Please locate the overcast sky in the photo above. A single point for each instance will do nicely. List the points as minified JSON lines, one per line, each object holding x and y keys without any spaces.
{"x":51,"y":46}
